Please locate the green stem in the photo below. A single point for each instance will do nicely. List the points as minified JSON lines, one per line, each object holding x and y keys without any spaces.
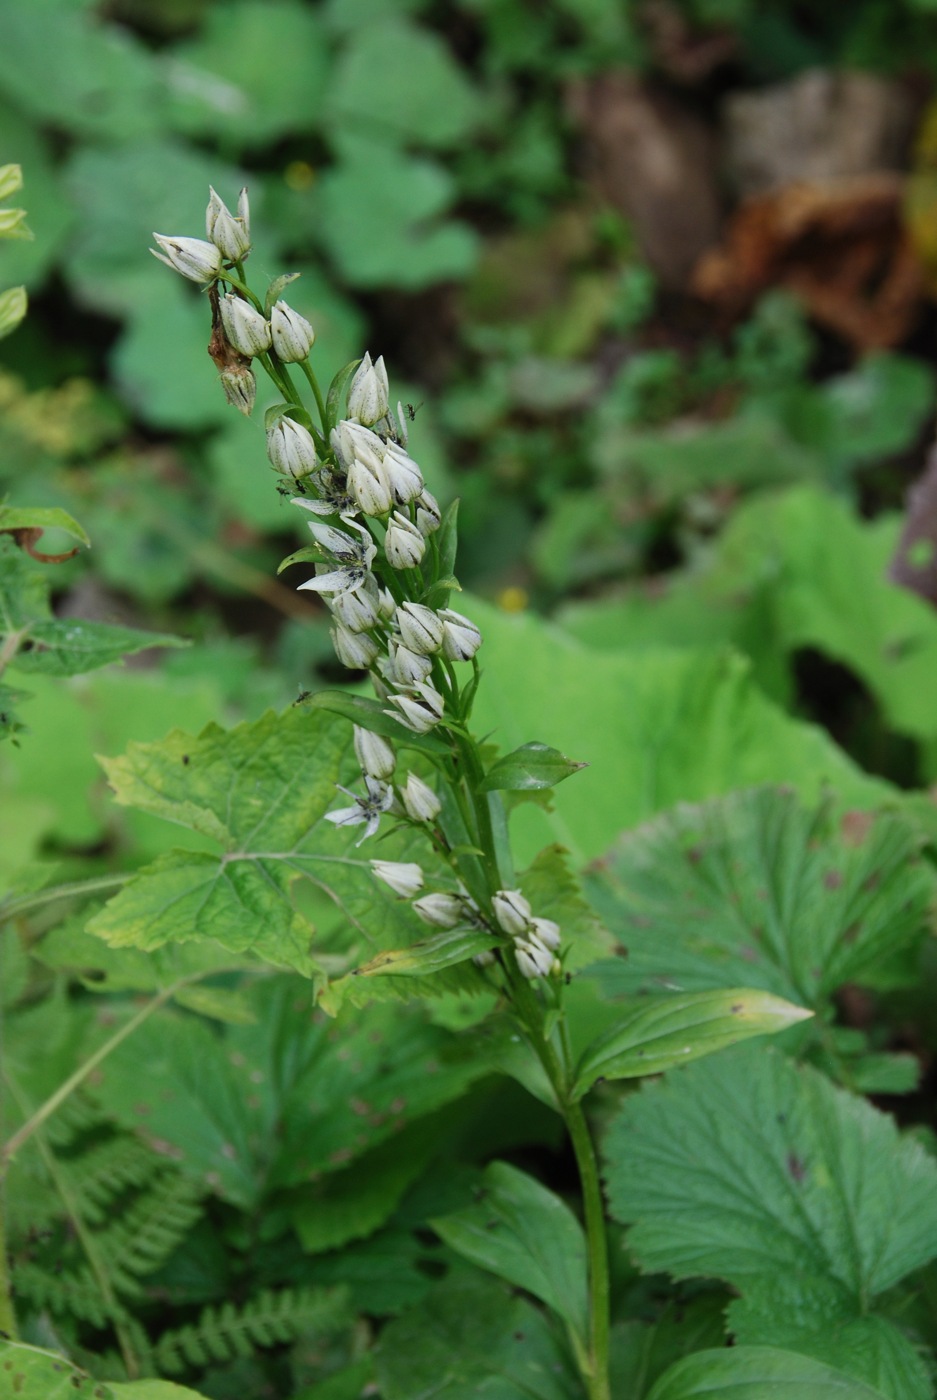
{"x":597,"y":1246}
{"x":307,"y":370}
{"x":7,"y":1313}
{"x":12,"y":908}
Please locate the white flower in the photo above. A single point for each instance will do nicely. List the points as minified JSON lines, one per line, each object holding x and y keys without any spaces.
{"x":545,"y":932}
{"x":440,"y":910}
{"x":245,"y":328}
{"x":512,"y":912}
{"x":293,"y":336}
{"x":461,"y":638}
{"x":356,"y":558}
{"x":532,"y":959}
{"x":344,"y":548}
{"x":333,"y":498}
{"x":368,"y":392}
{"x":428,"y":514}
{"x":193,"y":257}
{"x":291,"y":449}
{"x":419,"y":799}
{"x":403,"y":544}
{"x":368,"y":809}
{"x":370,"y":487}
{"x":419,"y":711}
{"x":406,"y":479}
{"x":374,"y":753}
{"x":231,"y":235}
{"x":403,"y":877}
{"x":420,"y":628}
{"x":240,"y":388}
{"x":350,"y":440}
{"x":407,"y":667}
{"x":356,"y":650}
{"x":357,"y":609}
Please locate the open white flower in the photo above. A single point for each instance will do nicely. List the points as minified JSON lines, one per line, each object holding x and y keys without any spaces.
{"x":367,"y":809}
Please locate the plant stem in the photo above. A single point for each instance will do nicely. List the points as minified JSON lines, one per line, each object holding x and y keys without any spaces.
{"x":7,"y":1313}
{"x":317,"y":393}
{"x":597,"y":1245}
{"x":12,"y":908}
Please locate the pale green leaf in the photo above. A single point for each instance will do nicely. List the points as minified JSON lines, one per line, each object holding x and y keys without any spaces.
{"x":13,"y":306}
{"x":756,"y":889}
{"x":70,"y":646}
{"x":757,"y":1373}
{"x":669,"y":1030}
{"x":28,"y":1373}
{"x":745,"y":1166}
{"x":525,"y":1234}
{"x":422,"y":959}
{"x":153,"y":1390}
{"x":42,"y":518}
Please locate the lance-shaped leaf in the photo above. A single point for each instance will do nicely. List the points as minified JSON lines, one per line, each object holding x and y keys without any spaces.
{"x":261,"y":793}
{"x":673,"y":1029}
{"x":527,"y":1235}
{"x":335,"y":400}
{"x":370,"y":714}
{"x":758,"y":1373}
{"x":42,"y":518}
{"x":445,"y":949}
{"x":757,"y":889}
{"x":528,"y":768}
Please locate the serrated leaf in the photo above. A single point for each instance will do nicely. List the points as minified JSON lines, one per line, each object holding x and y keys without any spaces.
{"x":33,"y":1374}
{"x":42,"y":518}
{"x":757,"y":1373}
{"x":260,"y":791}
{"x":430,"y":955}
{"x":670,"y":1030}
{"x":69,"y":647}
{"x":525,"y":1234}
{"x":529,"y":767}
{"x":755,"y":888}
{"x":746,"y":1166}
{"x":553,"y":889}
{"x":370,"y":714}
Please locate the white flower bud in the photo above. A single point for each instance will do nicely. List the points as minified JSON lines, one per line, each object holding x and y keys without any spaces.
{"x":403,"y":877}
{"x":461,"y":638}
{"x":406,"y":479}
{"x":356,"y":609}
{"x":374,"y":753}
{"x":231,"y":235}
{"x":240,"y":388}
{"x":440,"y":910}
{"x":419,"y":799}
{"x":370,"y":487}
{"x":419,"y":711}
{"x":352,"y":440}
{"x":193,"y":257}
{"x":356,"y":650}
{"x":512,"y":912}
{"x":420,"y":628}
{"x":407,"y":667}
{"x":545,"y":932}
{"x":403,"y":544}
{"x":293,"y":337}
{"x":428,"y":514}
{"x":368,"y":393}
{"x":291,"y":449}
{"x":245,"y":328}
{"x":532,"y":959}
{"x":386,"y":604}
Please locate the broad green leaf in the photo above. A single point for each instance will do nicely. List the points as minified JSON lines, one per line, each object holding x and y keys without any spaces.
{"x":254,"y":74}
{"x":69,"y":647}
{"x":747,"y":1168}
{"x":656,"y":727}
{"x":555,"y":891}
{"x":42,"y":518}
{"x":642,"y":1350}
{"x":399,"y":79}
{"x":286,"y":1099}
{"x":669,"y":1030}
{"x":472,"y":1339}
{"x":261,"y":791}
{"x":757,"y":1373}
{"x":371,"y":714}
{"x":528,"y":1236}
{"x":531,"y":766}
{"x":28,"y":1373}
{"x":755,"y":888}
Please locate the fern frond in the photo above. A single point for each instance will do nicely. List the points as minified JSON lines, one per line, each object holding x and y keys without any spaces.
{"x":221,"y":1334}
{"x":148,"y":1232}
{"x":75,"y":1294}
{"x":109,"y":1168}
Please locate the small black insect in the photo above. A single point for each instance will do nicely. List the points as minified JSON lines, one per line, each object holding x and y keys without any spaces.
{"x":185,"y":759}
{"x":411,"y":411}
{"x":303,"y":695}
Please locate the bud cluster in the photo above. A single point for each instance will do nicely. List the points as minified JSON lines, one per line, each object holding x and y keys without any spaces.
{"x":535,"y":940}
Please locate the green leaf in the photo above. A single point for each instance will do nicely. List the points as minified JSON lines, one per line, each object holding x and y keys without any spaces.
{"x":33,"y":1374}
{"x":431,"y":955}
{"x":335,"y":401}
{"x":695,"y":725}
{"x":260,"y":791}
{"x":748,"y":1168}
{"x":370,"y":714}
{"x":400,"y":79}
{"x":42,"y":518}
{"x":525,"y":1234}
{"x":472,"y":1338}
{"x":757,"y":1373}
{"x":275,"y":290}
{"x":552,"y":887}
{"x":71,"y":647}
{"x":154,"y":1390}
{"x":13,"y":307}
{"x":530,"y":767}
{"x":10,"y":697}
{"x":673,"y":1029}
{"x":755,"y":888}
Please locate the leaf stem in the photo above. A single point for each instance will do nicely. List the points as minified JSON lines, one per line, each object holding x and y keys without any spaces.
{"x":12,"y":908}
